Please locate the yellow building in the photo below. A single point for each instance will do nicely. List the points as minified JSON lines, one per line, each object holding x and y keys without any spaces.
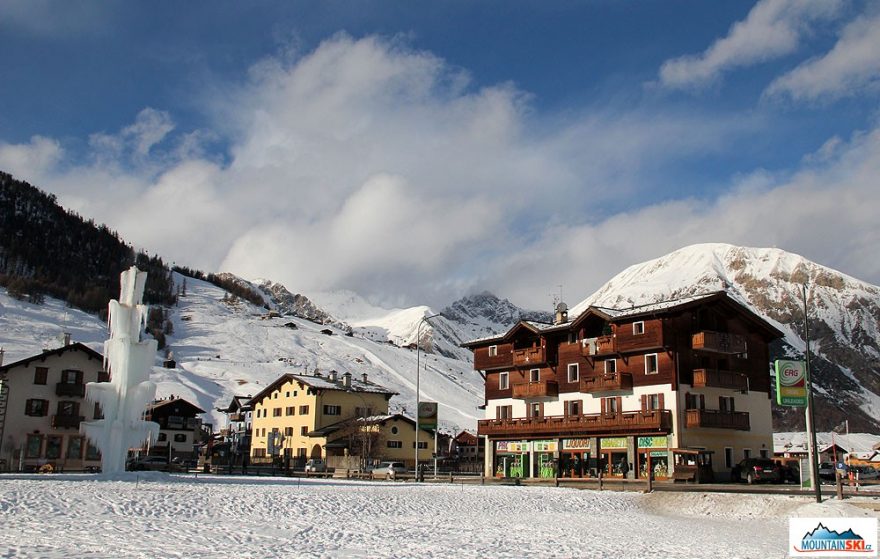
{"x":375,"y":439}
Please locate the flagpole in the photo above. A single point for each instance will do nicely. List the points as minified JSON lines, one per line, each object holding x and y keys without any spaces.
{"x":811,"y":427}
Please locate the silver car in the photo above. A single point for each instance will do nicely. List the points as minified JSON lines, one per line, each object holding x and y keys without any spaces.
{"x":388,"y":470}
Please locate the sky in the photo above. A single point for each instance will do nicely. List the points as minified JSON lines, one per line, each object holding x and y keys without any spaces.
{"x":416,"y":152}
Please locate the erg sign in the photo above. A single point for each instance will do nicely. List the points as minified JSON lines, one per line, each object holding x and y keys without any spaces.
{"x":791,"y":383}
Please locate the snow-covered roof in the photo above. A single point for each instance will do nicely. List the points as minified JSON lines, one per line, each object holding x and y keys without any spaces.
{"x":796,"y":442}
{"x":324,"y":383}
{"x":649,"y":308}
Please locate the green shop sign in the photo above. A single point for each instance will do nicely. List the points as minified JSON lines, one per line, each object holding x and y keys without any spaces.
{"x":613,"y":442}
{"x":653,"y":442}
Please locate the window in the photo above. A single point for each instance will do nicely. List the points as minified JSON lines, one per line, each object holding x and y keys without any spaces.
{"x":69,"y":376}
{"x":652,"y":401}
{"x":395,"y":444}
{"x":422,"y":445}
{"x":725,"y":404}
{"x":304,"y":410}
{"x":651,"y":364}
{"x":40,"y":375}
{"x":53,"y":446}
{"x":504,"y":412}
{"x":287,"y":394}
{"x":301,"y":452}
{"x":394,"y":430}
{"x":288,"y":431}
{"x":304,"y":431}
{"x":68,"y":409}
{"x":572,"y":337}
{"x":609,"y":406}
{"x":573,"y":407}
{"x":290,"y":410}
{"x":92,"y":452}
{"x":535,"y":409}
{"x":103,"y":376}
{"x":694,"y":401}
{"x":34,"y":445}
{"x":259,"y":453}
{"x":747,"y":453}
{"x":276,"y":412}
{"x":275,"y":395}
{"x":638,"y":328}
{"x":503,"y":381}
{"x":98,"y":412}
{"x":74,"y":448}
{"x":572,"y":372}
{"x":332,"y":410}
{"x":493,"y":351}
{"x":36,"y":408}
{"x":162,"y":437}
{"x":728,"y":457}
{"x":534,"y":375}
{"x":611,"y":366}
{"x":180,"y":438}
{"x":363,"y":412}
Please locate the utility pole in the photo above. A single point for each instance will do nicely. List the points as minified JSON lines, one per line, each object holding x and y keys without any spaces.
{"x":424,"y":320}
{"x":811,"y":425}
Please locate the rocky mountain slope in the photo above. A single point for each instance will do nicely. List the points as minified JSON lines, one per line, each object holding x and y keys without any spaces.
{"x":844,"y":318}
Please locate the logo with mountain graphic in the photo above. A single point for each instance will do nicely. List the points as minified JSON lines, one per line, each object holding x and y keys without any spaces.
{"x":836,"y":537}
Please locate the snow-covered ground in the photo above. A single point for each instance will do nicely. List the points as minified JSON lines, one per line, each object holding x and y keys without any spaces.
{"x":181,"y":516}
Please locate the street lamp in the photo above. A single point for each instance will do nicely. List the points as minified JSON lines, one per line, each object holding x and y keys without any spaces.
{"x":424,"y":320}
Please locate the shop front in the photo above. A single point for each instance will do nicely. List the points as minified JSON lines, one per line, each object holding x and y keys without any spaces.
{"x":545,"y":461}
{"x":652,"y":456}
{"x":512,"y":458}
{"x":574,"y":458}
{"x":612,"y":456}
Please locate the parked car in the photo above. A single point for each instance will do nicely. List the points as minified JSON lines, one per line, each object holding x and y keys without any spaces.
{"x":388,"y":470}
{"x":148,"y":463}
{"x":826,"y":471}
{"x":315,"y":465}
{"x":866,"y":473}
{"x":754,"y":470}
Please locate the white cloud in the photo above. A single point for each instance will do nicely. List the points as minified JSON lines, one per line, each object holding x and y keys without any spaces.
{"x":846,"y":70}
{"x":772,"y":28}
{"x":33,"y":159}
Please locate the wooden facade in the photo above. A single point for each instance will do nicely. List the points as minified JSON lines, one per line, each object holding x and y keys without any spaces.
{"x":645,"y":370}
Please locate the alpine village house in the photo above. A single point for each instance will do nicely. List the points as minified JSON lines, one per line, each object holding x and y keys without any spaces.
{"x":660,"y":389}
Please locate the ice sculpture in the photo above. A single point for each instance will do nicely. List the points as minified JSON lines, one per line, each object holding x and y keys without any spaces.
{"x":124,"y":398}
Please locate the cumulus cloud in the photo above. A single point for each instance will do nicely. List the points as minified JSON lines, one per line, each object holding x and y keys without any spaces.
{"x":851,"y":66}
{"x":773,"y":28}
{"x":825,"y":211}
{"x":367,"y":165}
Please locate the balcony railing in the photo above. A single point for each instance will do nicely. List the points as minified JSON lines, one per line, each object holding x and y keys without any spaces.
{"x":67,"y":421}
{"x":651,"y":421}
{"x":70,"y":389}
{"x":717,"y":419}
{"x":607,"y":383}
{"x":719,"y":342}
{"x":606,"y":345}
{"x":540,"y":389}
{"x":501,"y":360}
{"x":529,"y":356}
{"x":714,"y":378}
{"x":236,"y":417}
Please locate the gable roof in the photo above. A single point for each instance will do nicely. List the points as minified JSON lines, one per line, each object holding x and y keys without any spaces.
{"x":372,"y":420}
{"x":619,"y":314}
{"x":75,"y":346}
{"x":322,"y":383}
{"x":159,"y":404}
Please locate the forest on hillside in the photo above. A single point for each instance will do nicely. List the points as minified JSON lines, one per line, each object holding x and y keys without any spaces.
{"x":47,"y":250}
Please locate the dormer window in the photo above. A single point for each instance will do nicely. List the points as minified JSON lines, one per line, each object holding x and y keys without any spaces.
{"x":638,"y":328}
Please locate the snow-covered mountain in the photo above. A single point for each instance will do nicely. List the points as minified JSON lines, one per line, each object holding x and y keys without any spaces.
{"x":844,"y":317}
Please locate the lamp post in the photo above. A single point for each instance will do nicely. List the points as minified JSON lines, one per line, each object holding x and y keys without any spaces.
{"x":811,"y":420}
{"x":423,"y":321}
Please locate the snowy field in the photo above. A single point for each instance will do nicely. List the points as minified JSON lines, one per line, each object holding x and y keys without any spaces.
{"x":164,"y":515}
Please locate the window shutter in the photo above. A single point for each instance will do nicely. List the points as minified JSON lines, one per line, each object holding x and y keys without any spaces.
{"x":644,"y":402}
{"x":702,"y":402}
{"x":732,"y":405}
{"x":619,"y":404}
{"x":662,"y":404}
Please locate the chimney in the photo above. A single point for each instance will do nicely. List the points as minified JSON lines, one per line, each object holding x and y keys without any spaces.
{"x":365,"y":374}
{"x":346,"y":380}
{"x":333,"y":376}
{"x":561,"y":313}
{"x":66,"y":339}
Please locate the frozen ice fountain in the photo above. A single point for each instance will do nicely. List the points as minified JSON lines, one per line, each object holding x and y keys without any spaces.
{"x":124,"y":398}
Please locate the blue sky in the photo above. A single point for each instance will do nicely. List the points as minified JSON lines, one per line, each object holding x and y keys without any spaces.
{"x":414,"y":152}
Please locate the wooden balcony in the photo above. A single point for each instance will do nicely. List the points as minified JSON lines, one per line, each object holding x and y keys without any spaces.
{"x":717,"y":419}
{"x":715,"y":378}
{"x":607,"y":383}
{"x":540,"y":389}
{"x":651,"y":421}
{"x":67,"y":421}
{"x":719,"y":342}
{"x":70,"y":389}
{"x":485,"y":362}
{"x":606,"y":345}
{"x":529,"y":356}
{"x":236,"y":417}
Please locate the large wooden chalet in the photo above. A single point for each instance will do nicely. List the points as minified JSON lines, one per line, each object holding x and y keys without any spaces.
{"x":628,"y":391}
